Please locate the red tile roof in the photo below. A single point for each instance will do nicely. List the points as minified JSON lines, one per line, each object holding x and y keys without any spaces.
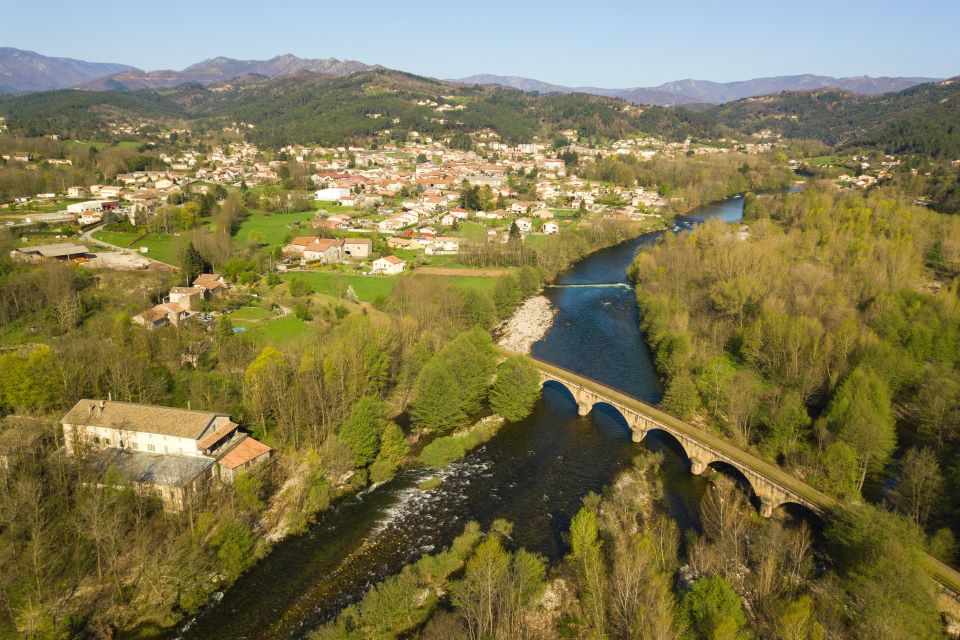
{"x":249,"y":449}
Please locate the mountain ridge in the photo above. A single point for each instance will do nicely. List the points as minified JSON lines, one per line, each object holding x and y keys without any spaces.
{"x":691,"y":91}
{"x":25,"y":71}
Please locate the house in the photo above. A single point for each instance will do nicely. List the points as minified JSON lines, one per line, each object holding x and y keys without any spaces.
{"x":550,"y":227}
{"x":398,"y":242}
{"x":443,"y":245}
{"x":331,"y":194}
{"x":162,"y":314}
{"x":89,"y":217}
{"x":166,"y":451}
{"x":244,"y":455}
{"x":76,"y":192}
{"x":448,"y":220}
{"x":357,"y":247}
{"x":388,"y":265}
{"x":188,"y":297}
{"x":325,"y":250}
{"x":524,"y":225}
{"x":211,"y":283}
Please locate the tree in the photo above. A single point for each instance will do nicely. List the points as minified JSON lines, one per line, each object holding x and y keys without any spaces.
{"x":788,"y":424}
{"x":436,"y":406}
{"x":888,"y":590}
{"x":515,"y":389}
{"x":586,"y":559}
{"x":714,"y":611}
{"x":361,"y":431}
{"x":477,"y":596}
{"x":919,"y":485}
{"x":192,"y":263}
{"x":506,"y":294}
{"x":393,"y":450}
{"x":681,"y":397}
{"x":861,"y":415}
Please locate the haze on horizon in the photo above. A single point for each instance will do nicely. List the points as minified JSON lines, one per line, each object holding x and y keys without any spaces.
{"x":610,"y":43}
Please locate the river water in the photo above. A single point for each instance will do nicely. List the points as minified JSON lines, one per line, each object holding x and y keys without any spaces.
{"x":533,"y":473}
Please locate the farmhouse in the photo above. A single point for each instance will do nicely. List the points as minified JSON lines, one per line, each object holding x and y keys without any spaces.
{"x":388,"y":265}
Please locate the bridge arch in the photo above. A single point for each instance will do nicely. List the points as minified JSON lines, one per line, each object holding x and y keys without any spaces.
{"x":564,"y":389}
{"x":665,"y":438}
{"x":799,"y":511}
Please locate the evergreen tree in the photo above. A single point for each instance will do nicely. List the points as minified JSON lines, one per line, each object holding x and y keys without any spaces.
{"x":515,"y":389}
{"x":361,"y":431}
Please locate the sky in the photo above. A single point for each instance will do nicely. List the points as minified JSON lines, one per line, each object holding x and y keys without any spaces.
{"x":602,"y":43}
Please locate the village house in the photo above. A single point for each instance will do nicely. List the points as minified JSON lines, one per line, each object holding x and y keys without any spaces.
{"x":211,"y":283}
{"x":331,"y":194}
{"x":357,"y":247}
{"x":161,"y":315}
{"x":388,"y":265}
{"x":524,"y":225}
{"x":311,"y":249}
{"x":550,"y":227}
{"x":167,"y":451}
{"x":187,"y":297}
{"x":443,"y":246}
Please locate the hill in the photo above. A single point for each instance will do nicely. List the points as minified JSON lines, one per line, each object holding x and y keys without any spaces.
{"x":23,"y":71}
{"x":924,"y":119}
{"x":320,"y":108}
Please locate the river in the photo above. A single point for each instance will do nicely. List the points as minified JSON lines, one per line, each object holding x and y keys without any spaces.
{"x":533,"y":473}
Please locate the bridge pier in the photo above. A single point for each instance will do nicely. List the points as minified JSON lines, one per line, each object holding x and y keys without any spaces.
{"x":583,"y":409}
{"x":766,"y":508}
{"x":697,"y":466}
{"x":637,"y":435}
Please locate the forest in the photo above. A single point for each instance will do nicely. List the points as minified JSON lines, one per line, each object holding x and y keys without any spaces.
{"x":823,"y":335}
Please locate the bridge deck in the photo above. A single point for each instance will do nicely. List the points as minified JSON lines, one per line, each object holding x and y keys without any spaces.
{"x":946,"y":576}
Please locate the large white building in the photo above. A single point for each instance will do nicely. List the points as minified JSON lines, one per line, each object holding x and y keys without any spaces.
{"x":167,"y":451}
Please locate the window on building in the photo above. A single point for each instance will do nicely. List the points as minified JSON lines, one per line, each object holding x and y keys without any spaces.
{"x":150,"y":447}
{"x":133,"y":445}
{"x":96,"y":439}
{"x":106,"y":441}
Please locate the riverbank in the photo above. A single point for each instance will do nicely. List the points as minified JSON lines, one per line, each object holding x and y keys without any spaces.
{"x":528,"y":324}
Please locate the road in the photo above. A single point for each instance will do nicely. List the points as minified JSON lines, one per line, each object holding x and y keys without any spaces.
{"x":87,"y":236}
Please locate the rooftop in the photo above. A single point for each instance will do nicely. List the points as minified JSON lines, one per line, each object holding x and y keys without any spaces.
{"x":148,"y":468}
{"x":170,"y":421}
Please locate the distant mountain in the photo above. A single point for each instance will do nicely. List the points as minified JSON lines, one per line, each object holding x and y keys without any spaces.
{"x":25,"y":71}
{"x":219,"y":70}
{"x":689,"y":91}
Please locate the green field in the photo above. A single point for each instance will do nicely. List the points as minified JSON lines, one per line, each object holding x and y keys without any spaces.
{"x":280,"y":330}
{"x":472,"y":231}
{"x":271,"y":228}
{"x":368,"y":288}
{"x":163,"y":247}
{"x":477,"y":283}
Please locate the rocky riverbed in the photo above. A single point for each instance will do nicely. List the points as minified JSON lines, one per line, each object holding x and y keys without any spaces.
{"x":529,"y":323}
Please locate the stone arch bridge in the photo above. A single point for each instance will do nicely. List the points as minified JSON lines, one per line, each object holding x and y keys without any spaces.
{"x":772,"y":486}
